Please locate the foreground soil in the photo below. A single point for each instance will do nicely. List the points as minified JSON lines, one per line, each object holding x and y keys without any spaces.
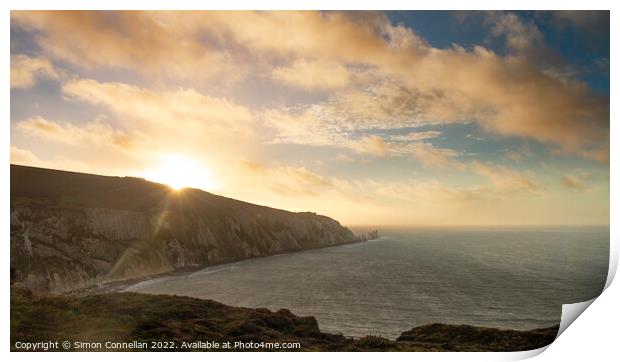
{"x":146,"y":320}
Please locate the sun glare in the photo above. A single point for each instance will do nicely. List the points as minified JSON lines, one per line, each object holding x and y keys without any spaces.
{"x":180,"y":172}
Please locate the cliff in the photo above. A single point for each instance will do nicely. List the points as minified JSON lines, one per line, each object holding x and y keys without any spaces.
{"x":71,"y":230}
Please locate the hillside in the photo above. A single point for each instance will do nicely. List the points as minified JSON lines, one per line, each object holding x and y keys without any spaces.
{"x":148,"y":319}
{"x":72,"y":230}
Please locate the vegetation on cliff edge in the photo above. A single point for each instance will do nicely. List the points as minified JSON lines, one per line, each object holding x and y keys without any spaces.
{"x":127,"y":317}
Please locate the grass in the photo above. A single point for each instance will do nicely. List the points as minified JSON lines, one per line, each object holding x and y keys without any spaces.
{"x":127,"y":317}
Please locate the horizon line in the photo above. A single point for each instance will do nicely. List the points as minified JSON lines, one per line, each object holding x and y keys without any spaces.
{"x":385,"y":226}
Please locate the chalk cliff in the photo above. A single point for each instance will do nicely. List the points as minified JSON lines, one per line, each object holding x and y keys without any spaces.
{"x":71,"y":230}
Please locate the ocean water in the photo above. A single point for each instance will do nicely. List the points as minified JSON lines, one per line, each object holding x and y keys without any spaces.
{"x":507,"y":278}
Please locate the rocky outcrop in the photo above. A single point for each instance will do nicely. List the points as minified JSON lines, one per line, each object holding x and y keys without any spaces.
{"x":72,"y":230}
{"x":471,"y":338}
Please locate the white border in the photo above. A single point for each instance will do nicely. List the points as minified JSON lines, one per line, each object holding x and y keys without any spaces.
{"x":312,"y":5}
{"x":594,"y":334}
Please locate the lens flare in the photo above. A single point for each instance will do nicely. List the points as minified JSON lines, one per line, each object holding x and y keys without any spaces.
{"x":180,"y":172}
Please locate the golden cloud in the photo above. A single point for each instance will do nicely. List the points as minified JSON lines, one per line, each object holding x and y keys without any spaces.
{"x":95,"y":132}
{"x":183,"y":111}
{"x":430,"y":155}
{"x":505,"y":179}
{"x":576,"y":181}
{"x":506,"y":95}
{"x":313,"y":75}
{"x":24,"y":157}
{"x":25,"y":70}
{"x":371,"y":144}
{"x":292,"y":181}
{"x":369,"y":76}
{"x":158,"y":44}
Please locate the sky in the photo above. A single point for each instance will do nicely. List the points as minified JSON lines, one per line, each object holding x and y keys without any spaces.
{"x":412,"y":118}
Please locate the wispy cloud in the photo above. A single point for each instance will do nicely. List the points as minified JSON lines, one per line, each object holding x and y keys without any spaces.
{"x":576,"y":181}
{"x":372,"y":108}
{"x":95,"y":132}
{"x":25,"y":70}
{"x":24,"y":157}
{"x":505,"y":179}
{"x":506,"y":95}
{"x":313,"y":75}
{"x":158,"y":44}
{"x":285,"y":180}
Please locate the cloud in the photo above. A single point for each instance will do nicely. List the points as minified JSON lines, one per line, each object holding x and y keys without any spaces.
{"x":336,"y":36}
{"x":371,"y":144}
{"x":519,"y":154}
{"x":521,"y":36}
{"x":313,"y":75}
{"x":534,"y":107}
{"x":525,"y":40}
{"x":299,"y":128}
{"x":143,"y":125}
{"x":506,"y":180}
{"x":311,"y":128}
{"x":307,"y":129}
{"x":572,"y":182}
{"x":24,"y":157}
{"x":25,"y":70}
{"x":290,"y":181}
{"x":92,"y":133}
{"x":298,"y":181}
{"x":595,"y":22}
{"x":430,"y":192}
{"x":351,"y":83}
{"x":506,"y":95}
{"x":150,"y":123}
{"x":576,"y":181}
{"x":423,"y":152}
{"x":384,"y":105}
{"x":182,"y":110}
{"x":416,"y":136}
{"x":383,"y":201}
{"x":157,"y":44}
{"x":430,"y":155}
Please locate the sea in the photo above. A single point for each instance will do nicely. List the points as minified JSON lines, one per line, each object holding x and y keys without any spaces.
{"x":510,"y":278}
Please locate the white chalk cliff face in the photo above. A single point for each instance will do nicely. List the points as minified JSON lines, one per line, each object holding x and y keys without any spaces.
{"x":71,"y":230}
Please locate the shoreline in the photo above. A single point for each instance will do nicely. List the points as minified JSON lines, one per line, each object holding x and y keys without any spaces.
{"x":121,"y":287}
{"x":429,"y":337}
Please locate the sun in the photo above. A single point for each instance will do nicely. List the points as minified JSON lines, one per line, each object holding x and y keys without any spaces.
{"x":179,"y":172}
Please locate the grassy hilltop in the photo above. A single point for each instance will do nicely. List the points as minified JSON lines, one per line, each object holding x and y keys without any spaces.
{"x":138,"y":317}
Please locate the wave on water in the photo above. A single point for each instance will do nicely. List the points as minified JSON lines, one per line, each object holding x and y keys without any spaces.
{"x":508,"y":279}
